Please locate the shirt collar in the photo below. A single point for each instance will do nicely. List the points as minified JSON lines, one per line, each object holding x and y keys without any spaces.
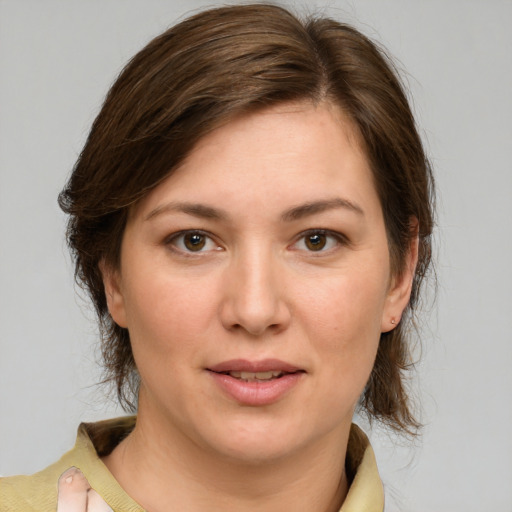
{"x":365,"y":493}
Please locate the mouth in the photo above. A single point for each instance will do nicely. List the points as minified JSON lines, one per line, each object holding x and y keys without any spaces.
{"x":267,"y":369}
{"x":256,"y":382}
{"x":257,"y":376}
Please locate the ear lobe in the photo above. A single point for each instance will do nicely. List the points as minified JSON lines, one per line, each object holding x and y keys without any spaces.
{"x":401,"y":286}
{"x":113,"y":294}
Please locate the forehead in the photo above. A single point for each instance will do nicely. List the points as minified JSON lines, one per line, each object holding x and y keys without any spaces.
{"x":288,"y":126}
{"x":289,"y":153}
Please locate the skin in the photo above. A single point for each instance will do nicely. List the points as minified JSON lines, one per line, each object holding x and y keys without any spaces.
{"x":255,"y":290}
{"x":76,"y":495}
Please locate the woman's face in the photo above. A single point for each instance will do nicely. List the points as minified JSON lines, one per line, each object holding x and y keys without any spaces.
{"x":255,"y":283}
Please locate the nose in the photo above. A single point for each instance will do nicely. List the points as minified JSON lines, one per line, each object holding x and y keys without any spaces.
{"x":254,"y":295}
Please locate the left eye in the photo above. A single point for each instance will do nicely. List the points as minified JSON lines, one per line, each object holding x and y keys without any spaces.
{"x":317,"y":241}
{"x":193,"y":241}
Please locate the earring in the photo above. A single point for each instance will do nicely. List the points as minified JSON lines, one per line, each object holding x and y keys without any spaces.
{"x":393,"y":321}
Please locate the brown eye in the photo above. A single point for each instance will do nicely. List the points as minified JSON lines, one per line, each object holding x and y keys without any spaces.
{"x":194,"y":241}
{"x":316,"y":241}
{"x":320,"y":241}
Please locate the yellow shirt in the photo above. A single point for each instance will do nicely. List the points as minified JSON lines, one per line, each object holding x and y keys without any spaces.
{"x":80,"y":476}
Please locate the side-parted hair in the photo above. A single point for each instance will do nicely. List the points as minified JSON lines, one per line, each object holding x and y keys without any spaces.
{"x":200,"y":74}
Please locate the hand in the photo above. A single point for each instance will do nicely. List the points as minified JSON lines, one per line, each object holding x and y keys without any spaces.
{"x":76,"y":495}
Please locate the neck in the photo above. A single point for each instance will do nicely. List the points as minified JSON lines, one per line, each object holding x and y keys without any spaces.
{"x":157,"y":465}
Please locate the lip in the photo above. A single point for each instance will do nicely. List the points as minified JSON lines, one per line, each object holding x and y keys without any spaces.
{"x":243,"y":365}
{"x":256,"y":393}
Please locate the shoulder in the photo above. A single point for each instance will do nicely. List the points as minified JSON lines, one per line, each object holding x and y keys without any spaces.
{"x":76,"y":481}
{"x":37,"y":492}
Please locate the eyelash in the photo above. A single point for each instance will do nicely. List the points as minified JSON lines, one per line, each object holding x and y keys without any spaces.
{"x":339,"y":239}
{"x":171,"y":241}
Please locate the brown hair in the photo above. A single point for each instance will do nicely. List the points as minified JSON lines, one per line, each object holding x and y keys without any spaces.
{"x":203,"y":72}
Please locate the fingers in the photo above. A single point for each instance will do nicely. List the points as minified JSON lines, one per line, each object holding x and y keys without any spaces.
{"x":95,"y":502}
{"x":76,"y":495}
{"x":73,"y":487}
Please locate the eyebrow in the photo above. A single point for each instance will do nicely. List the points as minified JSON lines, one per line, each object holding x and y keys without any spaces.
{"x":307,"y":209}
{"x":196,"y":209}
{"x":295,"y":213}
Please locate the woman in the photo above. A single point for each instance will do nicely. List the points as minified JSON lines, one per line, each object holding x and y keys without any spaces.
{"x":251,"y":215}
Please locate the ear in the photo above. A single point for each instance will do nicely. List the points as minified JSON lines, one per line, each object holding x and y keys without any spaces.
{"x":113,"y":293}
{"x":400,"y":289}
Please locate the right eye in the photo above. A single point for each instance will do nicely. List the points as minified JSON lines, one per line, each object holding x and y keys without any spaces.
{"x":192,"y":242}
{"x":319,"y":241}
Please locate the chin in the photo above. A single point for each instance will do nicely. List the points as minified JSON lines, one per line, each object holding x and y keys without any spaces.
{"x":254,"y":450}
{"x":256,"y":442}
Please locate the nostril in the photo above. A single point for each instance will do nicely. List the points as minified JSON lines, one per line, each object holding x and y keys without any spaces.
{"x":253,"y":304}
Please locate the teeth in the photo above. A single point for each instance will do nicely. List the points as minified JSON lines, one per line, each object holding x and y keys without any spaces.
{"x":251,"y":376}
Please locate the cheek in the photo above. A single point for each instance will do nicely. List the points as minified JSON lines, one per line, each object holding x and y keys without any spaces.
{"x":343,"y":318}
{"x":348,"y":306}
{"x":168,"y":312}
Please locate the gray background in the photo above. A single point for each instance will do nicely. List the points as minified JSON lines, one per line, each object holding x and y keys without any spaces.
{"x":57,"y":58}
